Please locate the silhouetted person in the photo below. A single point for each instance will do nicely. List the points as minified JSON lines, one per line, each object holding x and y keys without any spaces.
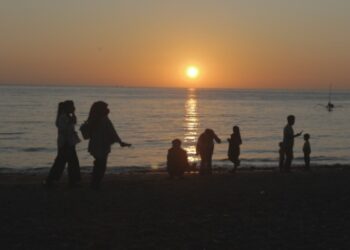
{"x":281,"y":156}
{"x":205,"y":148}
{"x":177,"y":161}
{"x":66,"y":141}
{"x":234,"y":147}
{"x":330,"y":106}
{"x":307,"y":151}
{"x":288,"y":142}
{"x":102,"y":135}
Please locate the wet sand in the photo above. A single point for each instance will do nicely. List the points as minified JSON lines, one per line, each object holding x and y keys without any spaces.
{"x":251,"y":210}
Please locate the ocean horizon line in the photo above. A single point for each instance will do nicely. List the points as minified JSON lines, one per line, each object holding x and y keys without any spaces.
{"x":97,"y":85}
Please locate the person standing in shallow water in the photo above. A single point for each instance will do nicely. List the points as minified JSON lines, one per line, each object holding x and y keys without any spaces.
{"x":66,"y":141}
{"x":177,"y":161}
{"x":102,"y":135}
{"x":234,"y":148}
{"x":205,"y":149}
{"x":307,"y":151}
{"x":288,"y":142}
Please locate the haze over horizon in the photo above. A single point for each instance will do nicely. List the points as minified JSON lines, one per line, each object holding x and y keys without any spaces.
{"x":234,"y":44}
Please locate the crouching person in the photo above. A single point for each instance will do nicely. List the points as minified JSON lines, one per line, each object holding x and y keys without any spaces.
{"x":177,"y":161}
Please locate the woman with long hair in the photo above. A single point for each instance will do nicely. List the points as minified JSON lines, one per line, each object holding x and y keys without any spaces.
{"x":234,"y":148}
{"x":102,"y":135}
{"x":66,"y":141}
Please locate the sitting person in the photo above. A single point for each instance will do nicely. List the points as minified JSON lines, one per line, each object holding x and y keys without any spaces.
{"x":177,"y":161}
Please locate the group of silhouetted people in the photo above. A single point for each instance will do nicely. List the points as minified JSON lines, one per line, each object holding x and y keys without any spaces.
{"x":177,"y":157}
{"x":100,"y":132}
{"x":177,"y":161}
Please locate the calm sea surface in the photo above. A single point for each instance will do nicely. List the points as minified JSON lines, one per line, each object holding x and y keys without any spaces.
{"x":151,"y":118}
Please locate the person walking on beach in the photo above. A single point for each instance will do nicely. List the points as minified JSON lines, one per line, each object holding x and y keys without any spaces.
{"x":66,"y":141}
{"x":307,"y":151}
{"x":288,"y":142}
{"x":234,"y":148}
{"x":102,"y":135}
{"x":205,"y":149}
{"x":177,"y":161}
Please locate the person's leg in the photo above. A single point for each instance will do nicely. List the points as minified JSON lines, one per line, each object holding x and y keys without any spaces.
{"x":98,"y":172}
{"x":236,"y":160}
{"x":57,"y":168}
{"x":289,"y":159}
{"x":281,"y":162}
{"x":209,"y":164}
{"x":307,"y":162}
{"x":170,"y":172}
{"x":73,"y":167}
{"x":203,"y":164}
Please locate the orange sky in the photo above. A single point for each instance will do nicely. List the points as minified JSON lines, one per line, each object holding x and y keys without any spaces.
{"x":259,"y":44}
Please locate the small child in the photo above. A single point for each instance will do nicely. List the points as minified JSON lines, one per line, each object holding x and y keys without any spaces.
{"x":281,"y":153}
{"x":307,"y":151}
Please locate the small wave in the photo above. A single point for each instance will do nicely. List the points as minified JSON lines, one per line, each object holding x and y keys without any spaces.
{"x":12,"y":133}
{"x":35,"y":149}
{"x":10,"y":138}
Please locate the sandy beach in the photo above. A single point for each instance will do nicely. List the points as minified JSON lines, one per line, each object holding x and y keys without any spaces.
{"x":249,"y":210}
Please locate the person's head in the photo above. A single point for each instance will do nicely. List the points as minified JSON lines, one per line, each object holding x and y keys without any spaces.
{"x":209,"y":131}
{"x":280,"y":144}
{"x":235,"y":129}
{"x":176,"y":143}
{"x":291,"y":119}
{"x":69,"y":107}
{"x":60,"y":108}
{"x":98,"y":110}
{"x":60,"y":111}
{"x":306,"y":137}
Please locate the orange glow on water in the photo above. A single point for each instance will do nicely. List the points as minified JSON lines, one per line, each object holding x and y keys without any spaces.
{"x":191,"y":125}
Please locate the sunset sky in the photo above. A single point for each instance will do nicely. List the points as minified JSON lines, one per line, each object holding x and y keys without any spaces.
{"x":234,"y":43}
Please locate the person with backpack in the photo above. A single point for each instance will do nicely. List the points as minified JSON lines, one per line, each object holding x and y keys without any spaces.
{"x":101,"y":134}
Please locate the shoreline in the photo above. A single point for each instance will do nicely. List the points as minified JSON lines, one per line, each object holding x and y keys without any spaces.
{"x":146,"y":170}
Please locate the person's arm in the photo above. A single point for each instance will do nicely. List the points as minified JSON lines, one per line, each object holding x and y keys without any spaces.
{"x":187,"y":165}
{"x":168,"y":159}
{"x":298,"y":134}
{"x":63,"y":125}
{"x":74,"y":118}
{"x":115,"y":135}
{"x":216,"y":138}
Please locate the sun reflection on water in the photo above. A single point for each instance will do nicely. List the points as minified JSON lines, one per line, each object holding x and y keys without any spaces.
{"x":191,"y":125}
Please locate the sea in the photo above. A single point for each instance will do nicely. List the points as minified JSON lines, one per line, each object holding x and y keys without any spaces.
{"x":150,"y":118}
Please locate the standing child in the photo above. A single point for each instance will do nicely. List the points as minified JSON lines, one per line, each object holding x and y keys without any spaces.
{"x":234,"y":151}
{"x":281,"y":153}
{"x":307,"y":151}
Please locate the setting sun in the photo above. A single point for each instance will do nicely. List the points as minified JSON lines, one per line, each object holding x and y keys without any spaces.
{"x":192,"y":72}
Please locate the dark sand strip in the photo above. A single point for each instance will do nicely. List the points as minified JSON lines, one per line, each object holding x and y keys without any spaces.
{"x":251,"y":210}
